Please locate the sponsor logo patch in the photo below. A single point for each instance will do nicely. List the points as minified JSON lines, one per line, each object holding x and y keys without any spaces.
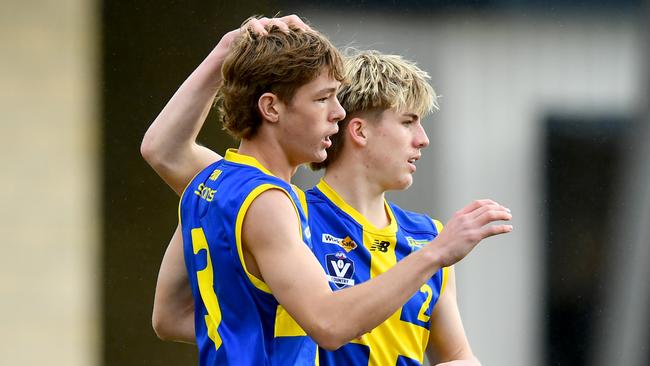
{"x":340,"y":269}
{"x":205,"y":192}
{"x":346,"y":243}
{"x":416,"y":244}
{"x":330,"y":239}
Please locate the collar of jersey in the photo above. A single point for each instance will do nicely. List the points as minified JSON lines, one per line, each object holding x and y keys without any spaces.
{"x":337,"y":200}
{"x":233,"y":156}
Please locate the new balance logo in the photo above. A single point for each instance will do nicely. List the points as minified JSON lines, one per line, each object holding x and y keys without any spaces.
{"x":380,"y":245}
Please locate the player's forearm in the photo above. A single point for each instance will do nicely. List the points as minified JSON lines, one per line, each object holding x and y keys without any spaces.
{"x":176,"y":325}
{"x":169,"y":144}
{"x":173,"y":309}
{"x":359,"y":309}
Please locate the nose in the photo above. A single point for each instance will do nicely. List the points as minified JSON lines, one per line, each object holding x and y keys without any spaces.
{"x":421,"y":139}
{"x":337,"y":113}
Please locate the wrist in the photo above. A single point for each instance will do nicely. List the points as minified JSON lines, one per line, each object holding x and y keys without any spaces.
{"x":216,"y":57}
{"x":208,"y":73}
{"x":220,"y":51}
{"x":433,"y":255}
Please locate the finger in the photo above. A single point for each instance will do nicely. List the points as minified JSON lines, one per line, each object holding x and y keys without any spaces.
{"x":278,"y":23}
{"x":294,"y":20}
{"x":493,"y":215}
{"x":474,"y":205}
{"x":493,"y":230}
{"x":263,"y":21}
{"x":485,"y":208}
{"x":256,"y":26}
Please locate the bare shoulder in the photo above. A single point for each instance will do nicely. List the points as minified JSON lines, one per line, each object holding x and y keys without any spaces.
{"x":273,"y":199}
{"x":272,"y":215}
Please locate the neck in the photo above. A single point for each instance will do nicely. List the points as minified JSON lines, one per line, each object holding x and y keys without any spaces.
{"x":270,"y":155}
{"x":352,"y":183}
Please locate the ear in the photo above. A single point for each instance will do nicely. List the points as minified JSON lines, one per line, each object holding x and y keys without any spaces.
{"x":357,"y":130}
{"x":269,"y":107}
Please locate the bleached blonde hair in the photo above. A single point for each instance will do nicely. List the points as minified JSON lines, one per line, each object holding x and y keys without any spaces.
{"x":376,"y":82}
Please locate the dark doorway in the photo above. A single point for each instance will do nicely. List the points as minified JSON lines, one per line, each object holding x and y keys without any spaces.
{"x":583,"y":157}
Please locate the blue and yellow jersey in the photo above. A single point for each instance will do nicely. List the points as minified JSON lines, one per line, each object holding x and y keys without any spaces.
{"x":237,"y":319}
{"x":352,"y":250}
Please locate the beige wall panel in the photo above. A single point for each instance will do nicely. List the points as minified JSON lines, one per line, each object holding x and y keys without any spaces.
{"x":49,"y":191}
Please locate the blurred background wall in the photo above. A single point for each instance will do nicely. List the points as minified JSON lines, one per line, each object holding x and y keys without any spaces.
{"x":50,"y":149}
{"x":544,"y":108}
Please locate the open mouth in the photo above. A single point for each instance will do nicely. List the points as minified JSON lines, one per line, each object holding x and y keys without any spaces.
{"x":412,"y":164}
{"x":328,"y":141}
{"x":412,"y":161}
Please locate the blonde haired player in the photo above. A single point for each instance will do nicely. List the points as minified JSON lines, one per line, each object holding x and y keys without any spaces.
{"x":370,"y":137}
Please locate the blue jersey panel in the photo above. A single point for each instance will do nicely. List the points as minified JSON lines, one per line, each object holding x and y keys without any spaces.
{"x":235,"y":312}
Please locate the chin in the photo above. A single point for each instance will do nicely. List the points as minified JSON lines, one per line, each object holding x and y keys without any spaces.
{"x":320,"y":156}
{"x":402,"y":184}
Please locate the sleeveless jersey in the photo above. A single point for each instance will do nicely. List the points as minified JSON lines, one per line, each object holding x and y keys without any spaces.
{"x":237,"y":319}
{"x":352,"y":250}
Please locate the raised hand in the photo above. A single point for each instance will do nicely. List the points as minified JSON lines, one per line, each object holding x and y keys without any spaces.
{"x":259,"y":26}
{"x":468,"y":227}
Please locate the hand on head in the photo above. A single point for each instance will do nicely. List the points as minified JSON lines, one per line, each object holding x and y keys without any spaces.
{"x":261,"y":26}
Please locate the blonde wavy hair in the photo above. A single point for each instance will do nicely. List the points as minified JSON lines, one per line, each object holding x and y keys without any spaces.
{"x":376,"y":82}
{"x":279,"y":63}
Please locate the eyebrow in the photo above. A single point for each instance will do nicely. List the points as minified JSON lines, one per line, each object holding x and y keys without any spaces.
{"x":411,"y":115}
{"x":327,"y":90}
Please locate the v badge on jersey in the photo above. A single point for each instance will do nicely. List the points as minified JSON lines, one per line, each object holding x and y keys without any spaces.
{"x":340,"y":269}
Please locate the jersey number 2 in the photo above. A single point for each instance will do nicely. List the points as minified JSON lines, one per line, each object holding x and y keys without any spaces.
{"x":422,"y":316}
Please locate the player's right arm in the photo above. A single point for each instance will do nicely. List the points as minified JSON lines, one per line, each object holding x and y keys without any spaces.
{"x":169,"y":146}
{"x":273,"y":250}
